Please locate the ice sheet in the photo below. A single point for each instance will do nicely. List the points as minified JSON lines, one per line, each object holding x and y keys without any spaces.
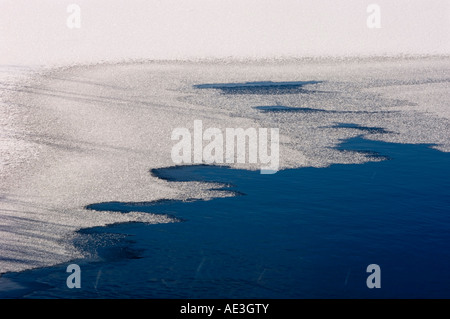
{"x":88,"y":134}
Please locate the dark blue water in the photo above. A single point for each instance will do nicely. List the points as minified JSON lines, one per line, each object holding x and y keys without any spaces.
{"x":260,"y":88}
{"x":299,"y":233}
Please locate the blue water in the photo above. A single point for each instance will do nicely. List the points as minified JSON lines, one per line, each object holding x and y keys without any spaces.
{"x":299,"y":233}
{"x":260,"y":88}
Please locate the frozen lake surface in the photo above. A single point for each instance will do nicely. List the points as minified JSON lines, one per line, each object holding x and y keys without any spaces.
{"x":364,"y":156}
